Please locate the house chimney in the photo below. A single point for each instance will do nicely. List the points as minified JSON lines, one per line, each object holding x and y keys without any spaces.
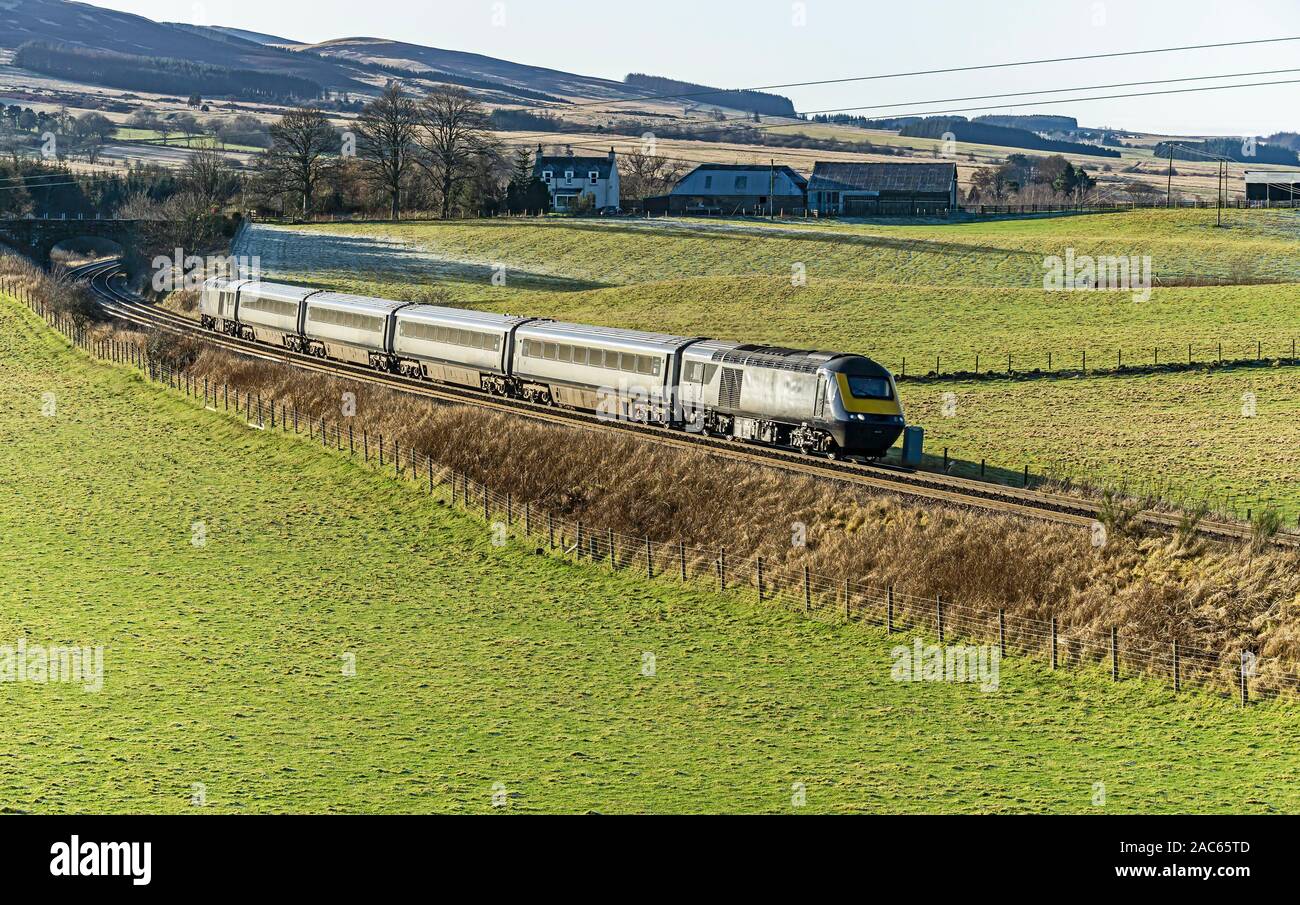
{"x":568,"y":150}
{"x":611,"y":153}
{"x":539,"y":155}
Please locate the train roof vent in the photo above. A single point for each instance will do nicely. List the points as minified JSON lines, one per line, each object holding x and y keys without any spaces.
{"x":756,"y":356}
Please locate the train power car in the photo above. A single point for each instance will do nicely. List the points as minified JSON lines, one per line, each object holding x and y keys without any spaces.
{"x":819,"y":402}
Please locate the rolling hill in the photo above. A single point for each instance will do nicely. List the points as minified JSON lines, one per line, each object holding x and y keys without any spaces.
{"x":80,"y":25}
{"x":416,"y":57}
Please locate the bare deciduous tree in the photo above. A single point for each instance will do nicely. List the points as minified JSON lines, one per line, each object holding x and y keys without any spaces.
{"x":211,"y":177}
{"x":386,"y":130}
{"x":644,"y":175}
{"x":452,"y":133}
{"x":301,"y":143}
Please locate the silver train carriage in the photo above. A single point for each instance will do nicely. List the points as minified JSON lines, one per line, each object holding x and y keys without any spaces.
{"x":450,"y":345}
{"x":618,"y":373}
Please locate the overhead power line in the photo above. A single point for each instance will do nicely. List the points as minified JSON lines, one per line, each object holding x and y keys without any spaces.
{"x":920,"y":72}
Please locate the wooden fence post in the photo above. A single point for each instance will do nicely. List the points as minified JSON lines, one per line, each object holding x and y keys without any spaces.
{"x":550,"y":526}
{"x":889,"y":611}
{"x":1178,"y":684}
{"x":848,"y":601}
{"x":681,"y":554}
{"x":938,"y":615}
{"x":609,"y":539}
{"x":807,"y":591}
{"x":577,"y":547}
{"x":1114,"y":654}
{"x":760,"y":579}
{"x":1002,"y":632}
{"x":510,"y":510}
{"x":1053,"y":642}
{"x":1245,"y":692}
{"x":528,"y":513}
{"x":722,"y":569}
{"x":649,"y":558}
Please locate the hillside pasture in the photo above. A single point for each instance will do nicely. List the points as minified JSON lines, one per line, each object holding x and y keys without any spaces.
{"x":487,"y":679}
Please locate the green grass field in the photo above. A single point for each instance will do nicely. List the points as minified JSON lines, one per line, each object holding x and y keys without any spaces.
{"x":478,"y":665}
{"x":1184,"y":437}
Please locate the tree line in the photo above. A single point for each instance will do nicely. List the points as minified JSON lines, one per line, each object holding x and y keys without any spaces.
{"x":160,"y":74}
{"x":435,"y":151}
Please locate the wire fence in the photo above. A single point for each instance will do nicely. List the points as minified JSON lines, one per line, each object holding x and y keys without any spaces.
{"x":1155,"y":358}
{"x":1236,"y":672}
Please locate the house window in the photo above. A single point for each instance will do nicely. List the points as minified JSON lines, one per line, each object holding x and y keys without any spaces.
{"x":595,"y":176}
{"x":547,"y":176}
{"x":708,"y":182}
{"x":568,"y":175}
{"x":742,"y":183}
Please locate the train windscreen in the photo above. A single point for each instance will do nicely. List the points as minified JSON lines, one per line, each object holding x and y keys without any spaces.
{"x":870,"y":388}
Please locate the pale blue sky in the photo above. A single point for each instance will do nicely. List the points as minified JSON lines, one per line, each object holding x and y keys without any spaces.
{"x":740,"y":43}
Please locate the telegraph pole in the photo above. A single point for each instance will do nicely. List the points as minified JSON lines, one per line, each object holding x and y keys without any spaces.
{"x":1220,"y":193}
{"x":771,"y":192}
{"x":1169,"y":192}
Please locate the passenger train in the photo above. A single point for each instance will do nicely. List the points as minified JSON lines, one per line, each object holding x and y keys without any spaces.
{"x":824,"y":403}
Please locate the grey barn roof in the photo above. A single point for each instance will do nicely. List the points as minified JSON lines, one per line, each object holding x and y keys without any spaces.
{"x":746,"y":168}
{"x":883,"y":177}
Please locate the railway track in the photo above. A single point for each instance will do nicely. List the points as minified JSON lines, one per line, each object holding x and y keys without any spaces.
{"x":105,"y":280}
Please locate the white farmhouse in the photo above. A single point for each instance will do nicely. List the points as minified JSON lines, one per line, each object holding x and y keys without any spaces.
{"x":567,"y":177}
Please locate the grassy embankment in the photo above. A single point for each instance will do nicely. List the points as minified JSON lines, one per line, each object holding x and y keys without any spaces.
{"x":478,"y":665}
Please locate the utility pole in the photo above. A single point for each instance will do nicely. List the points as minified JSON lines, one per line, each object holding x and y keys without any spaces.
{"x":1220,"y":193}
{"x":771,"y":192}
{"x":1169,"y":192}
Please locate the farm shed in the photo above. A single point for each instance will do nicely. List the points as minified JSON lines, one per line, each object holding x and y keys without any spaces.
{"x":883,"y":189}
{"x":721,"y":188}
{"x":1272,"y":185}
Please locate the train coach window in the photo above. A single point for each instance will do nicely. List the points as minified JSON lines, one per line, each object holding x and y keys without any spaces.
{"x":566,"y":353}
{"x":870,"y":388}
{"x":579,"y":355}
{"x":549,"y":351}
{"x":644,"y":364}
